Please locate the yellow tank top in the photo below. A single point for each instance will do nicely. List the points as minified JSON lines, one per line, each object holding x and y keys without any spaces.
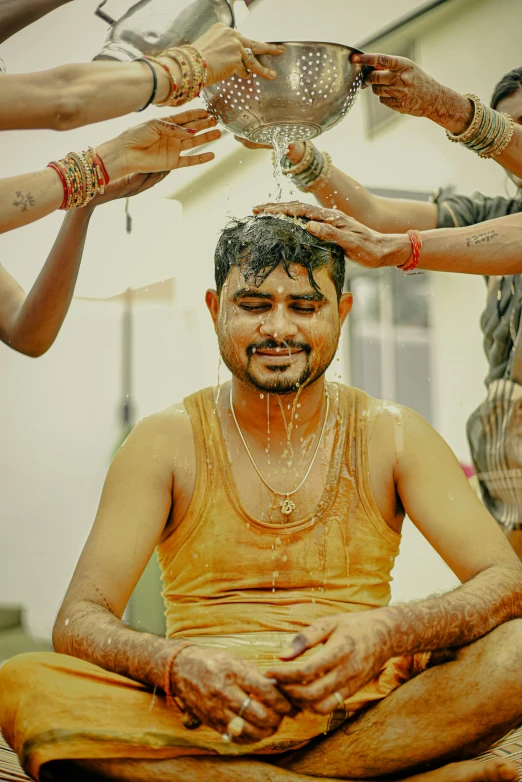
{"x":225,"y":572}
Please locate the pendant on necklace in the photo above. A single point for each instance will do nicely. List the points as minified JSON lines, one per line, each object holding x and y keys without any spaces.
{"x":287,"y":506}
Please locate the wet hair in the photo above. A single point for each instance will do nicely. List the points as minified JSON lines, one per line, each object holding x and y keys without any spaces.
{"x":259,"y":244}
{"x":509,"y":84}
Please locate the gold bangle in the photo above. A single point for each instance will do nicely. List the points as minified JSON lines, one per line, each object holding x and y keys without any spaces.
{"x":484,"y":135}
{"x":302,"y":164}
{"x":504,"y":138}
{"x":469,"y":133}
{"x":323,"y":177}
{"x":172,"y":82}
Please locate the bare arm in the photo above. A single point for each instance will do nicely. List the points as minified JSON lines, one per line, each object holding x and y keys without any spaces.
{"x":133,"y":511}
{"x":438,"y":499}
{"x":17,"y":14}
{"x":404,"y":87}
{"x":436,"y":496}
{"x":75,"y":95}
{"x":30,"y":324}
{"x":136,"y":503}
{"x":493,"y":247}
{"x":387,"y":215}
{"x":151,"y":147}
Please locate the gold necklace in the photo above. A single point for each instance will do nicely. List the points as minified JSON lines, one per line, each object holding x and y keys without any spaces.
{"x":287,"y":505}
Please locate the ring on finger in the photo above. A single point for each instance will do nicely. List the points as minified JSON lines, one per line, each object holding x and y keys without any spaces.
{"x":235,"y":726}
{"x":226,"y":738}
{"x":339,"y":698}
{"x":250,"y":54}
{"x":244,"y":706}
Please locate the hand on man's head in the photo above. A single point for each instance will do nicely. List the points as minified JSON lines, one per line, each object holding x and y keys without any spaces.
{"x":359,"y":243}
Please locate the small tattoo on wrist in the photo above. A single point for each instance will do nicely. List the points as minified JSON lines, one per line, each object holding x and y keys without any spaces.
{"x":23,"y":202}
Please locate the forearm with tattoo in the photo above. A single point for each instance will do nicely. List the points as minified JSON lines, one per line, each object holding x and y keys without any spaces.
{"x":91,"y":632}
{"x":457,"y":618}
{"x":493,"y":248}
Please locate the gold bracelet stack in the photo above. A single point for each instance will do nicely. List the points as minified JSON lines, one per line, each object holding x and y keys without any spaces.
{"x":193,"y":68}
{"x":489,"y":133}
{"x":312,"y":171}
{"x":83,"y":176}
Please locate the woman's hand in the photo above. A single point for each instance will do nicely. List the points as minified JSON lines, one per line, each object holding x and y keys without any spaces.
{"x":227,"y":52}
{"x":294,"y":152}
{"x":403,"y":86}
{"x":356,"y":647}
{"x":127,"y":186}
{"x":214,"y":686}
{"x":360,"y":244}
{"x":157,"y":145}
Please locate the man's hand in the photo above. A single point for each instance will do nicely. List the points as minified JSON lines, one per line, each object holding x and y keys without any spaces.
{"x":356,"y":647}
{"x":360,"y":244}
{"x":214,"y":686}
{"x":157,"y":145}
{"x":404,"y":87}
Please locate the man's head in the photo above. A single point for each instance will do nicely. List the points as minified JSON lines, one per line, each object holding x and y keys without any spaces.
{"x":279,"y":304}
{"x":507,"y":97}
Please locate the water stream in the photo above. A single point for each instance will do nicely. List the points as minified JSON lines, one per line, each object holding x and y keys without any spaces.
{"x":280,"y":137}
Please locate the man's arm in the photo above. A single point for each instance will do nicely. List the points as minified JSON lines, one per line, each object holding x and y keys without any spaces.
{"x":436,"y":496}
{"x":438,"y":499}
{"x":17,"y":14}
{"x":134,"y":508}
{"x":493,"y":247}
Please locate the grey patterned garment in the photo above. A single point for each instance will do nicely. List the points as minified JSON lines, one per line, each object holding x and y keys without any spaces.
{"x":501,"y":318}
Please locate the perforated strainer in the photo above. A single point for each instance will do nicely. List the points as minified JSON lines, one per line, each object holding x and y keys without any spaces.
{"x":315,"y":87}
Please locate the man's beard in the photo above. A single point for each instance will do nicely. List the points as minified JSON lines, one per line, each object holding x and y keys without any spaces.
{"x":278,"y":382}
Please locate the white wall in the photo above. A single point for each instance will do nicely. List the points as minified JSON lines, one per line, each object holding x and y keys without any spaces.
{"x":59,"y":414}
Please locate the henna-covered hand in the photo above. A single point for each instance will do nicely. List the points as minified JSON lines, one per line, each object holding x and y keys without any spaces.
{"x":404,"y":87}
{"x":356,"y":646}
{"x":213,"y":685}
{"x":359,"y":243}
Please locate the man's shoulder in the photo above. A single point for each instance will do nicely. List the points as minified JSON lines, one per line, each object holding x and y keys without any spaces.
{"x":387,"y":418}
{"x":168,"y":427}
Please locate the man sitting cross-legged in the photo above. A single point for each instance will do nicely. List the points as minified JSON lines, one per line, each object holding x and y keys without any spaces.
{"x":276,"y":507}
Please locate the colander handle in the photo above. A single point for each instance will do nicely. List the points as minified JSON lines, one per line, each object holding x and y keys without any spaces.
{"x":102,"y":15}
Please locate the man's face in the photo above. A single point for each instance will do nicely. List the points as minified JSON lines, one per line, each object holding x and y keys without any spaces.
{"x":512,"y":105}
{"x":281,"y":335}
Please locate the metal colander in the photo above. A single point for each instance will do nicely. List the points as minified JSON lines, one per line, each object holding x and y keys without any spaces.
{"x":316,"y":86}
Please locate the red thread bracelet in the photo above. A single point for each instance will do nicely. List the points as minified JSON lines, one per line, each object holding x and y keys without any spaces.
{"x":64,"y":183}
{"x":416,"y":247}
{"x":103,"y":168}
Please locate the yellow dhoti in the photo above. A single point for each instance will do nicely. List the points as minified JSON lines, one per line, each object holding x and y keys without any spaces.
{"x":55,"y":707}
